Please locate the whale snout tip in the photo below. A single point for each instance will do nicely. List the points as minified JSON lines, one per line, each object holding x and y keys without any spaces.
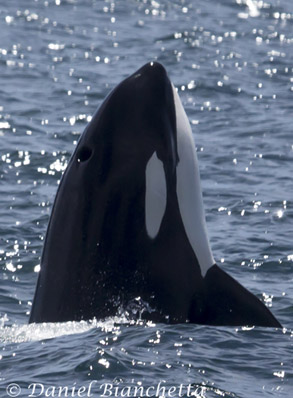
{"x":156,"y":65}
{"x":153,"y":70}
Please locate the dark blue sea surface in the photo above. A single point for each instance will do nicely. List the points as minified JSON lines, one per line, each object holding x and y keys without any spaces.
{"x":232,"y":62}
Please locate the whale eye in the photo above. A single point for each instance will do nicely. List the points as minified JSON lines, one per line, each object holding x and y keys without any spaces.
{"x":84,"y":154}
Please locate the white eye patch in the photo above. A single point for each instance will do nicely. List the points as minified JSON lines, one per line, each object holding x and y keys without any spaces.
{"x":156,"y":195}
{"x":189,"y":190}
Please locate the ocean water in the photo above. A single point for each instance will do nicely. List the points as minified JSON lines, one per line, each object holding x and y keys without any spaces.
{"x":232,"y":62}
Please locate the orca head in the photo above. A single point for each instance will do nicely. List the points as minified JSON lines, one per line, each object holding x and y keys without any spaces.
{"x":136,"y":121}
{"x":141,"y":138}
{"x":131,"y":144}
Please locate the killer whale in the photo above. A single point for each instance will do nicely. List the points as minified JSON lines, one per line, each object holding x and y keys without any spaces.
{"x":128,"y":221}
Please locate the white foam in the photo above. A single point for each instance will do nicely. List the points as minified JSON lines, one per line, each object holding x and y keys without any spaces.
{"x":156,"y":195}
{"x":189,"y":190}
{"x":50,"y":330}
